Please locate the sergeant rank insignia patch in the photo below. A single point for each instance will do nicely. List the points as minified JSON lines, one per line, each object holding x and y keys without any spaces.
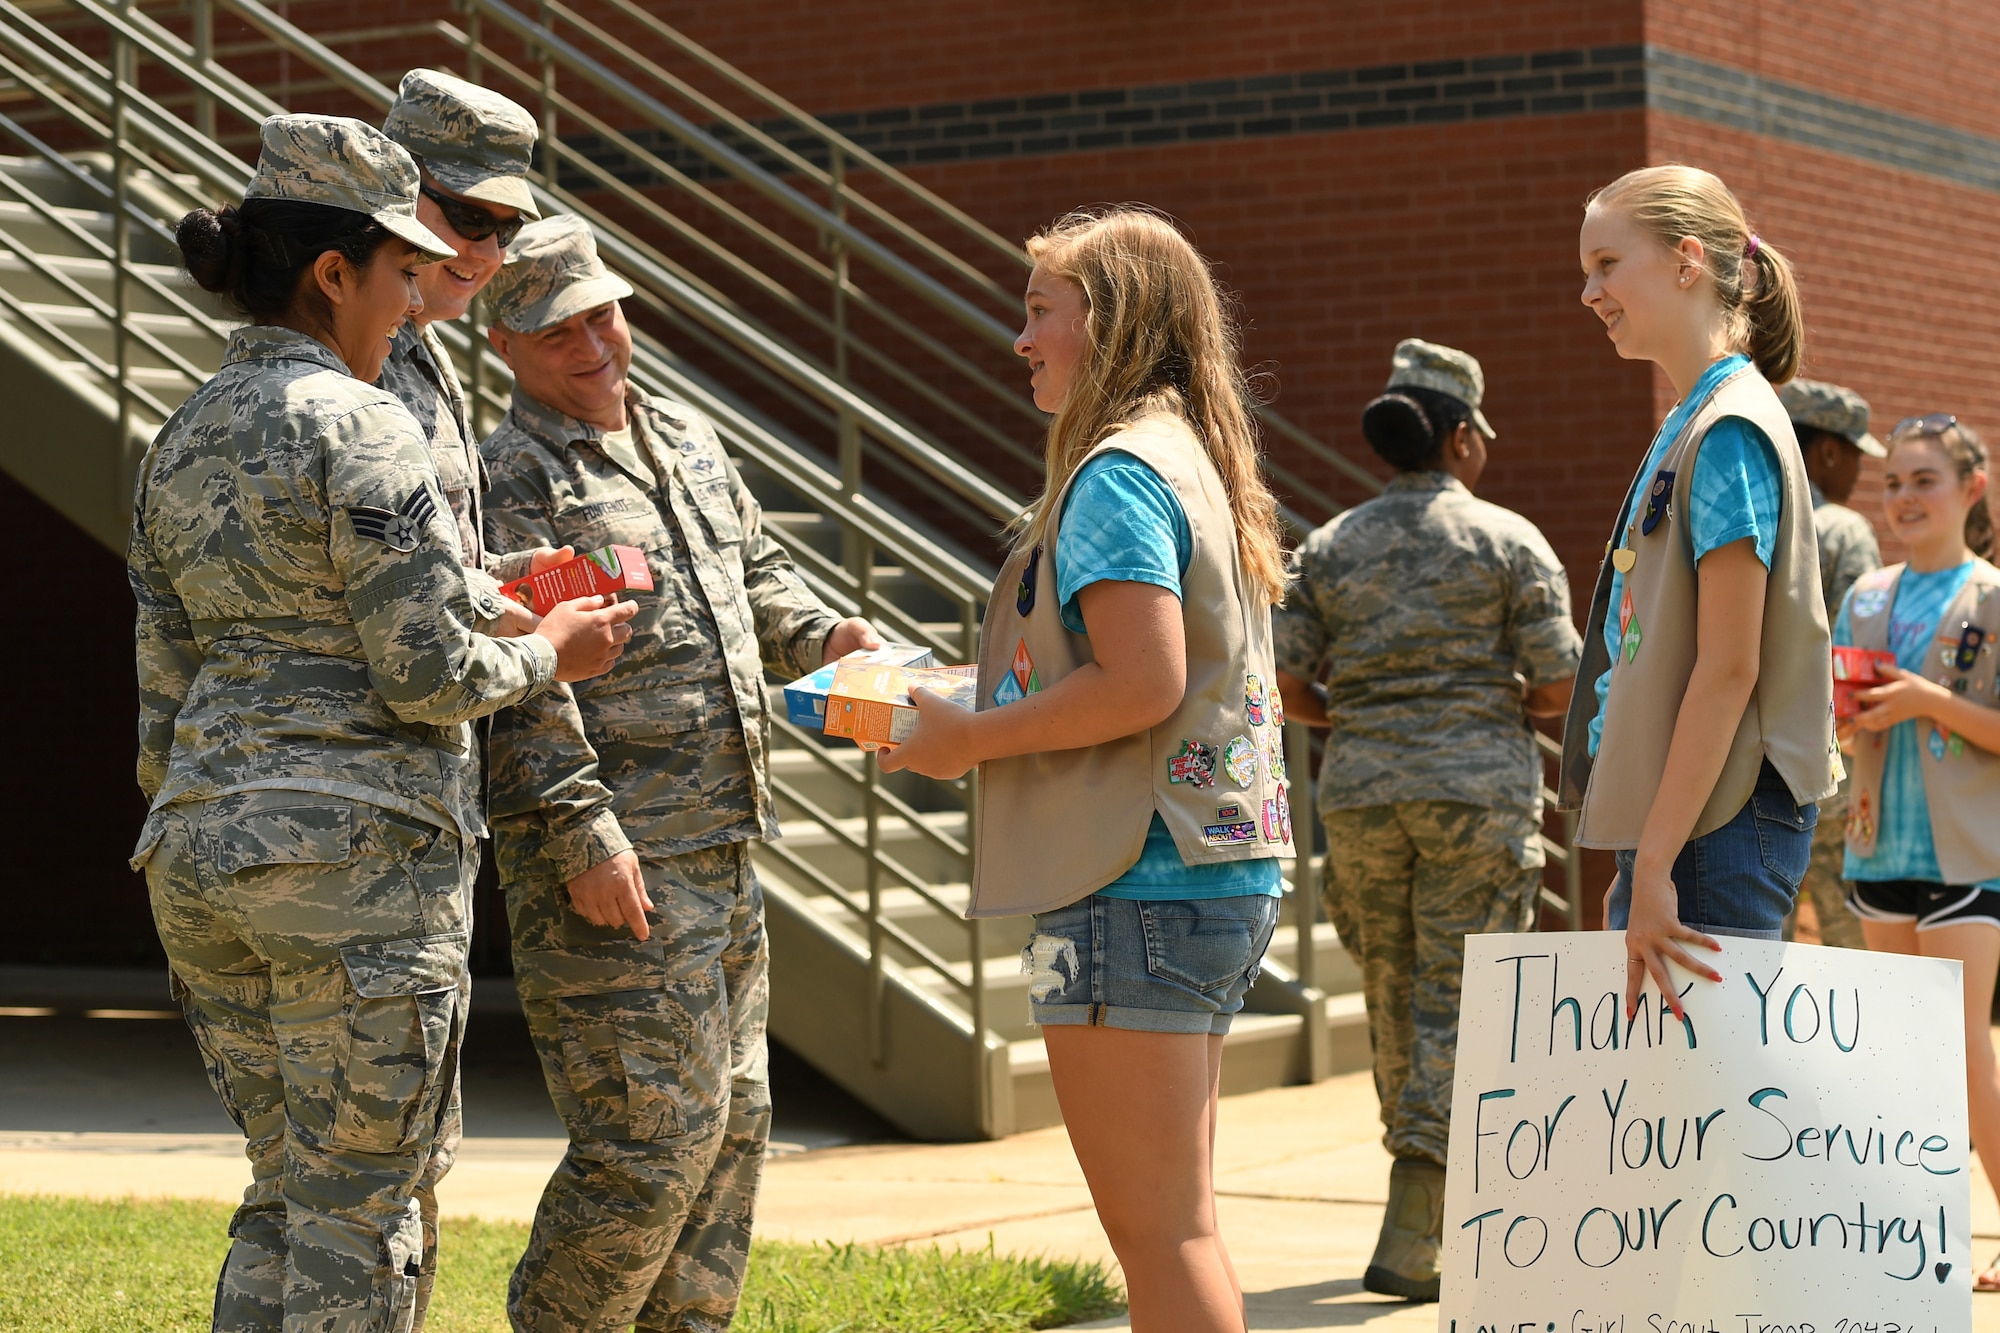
{"x":398,"y":530}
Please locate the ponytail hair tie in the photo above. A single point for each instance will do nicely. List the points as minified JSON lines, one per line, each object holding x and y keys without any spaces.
{"x":1750,"y":250}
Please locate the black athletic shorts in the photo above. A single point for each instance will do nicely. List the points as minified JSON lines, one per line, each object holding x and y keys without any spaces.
{"x":1923,"y":901}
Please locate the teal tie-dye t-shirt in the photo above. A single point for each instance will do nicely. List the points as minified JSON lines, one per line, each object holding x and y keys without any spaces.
{"x":1121,"y":522}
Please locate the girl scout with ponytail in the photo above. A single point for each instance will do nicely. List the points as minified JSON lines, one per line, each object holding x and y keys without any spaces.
{"x":1703,"y":736}
{"x":1132,"y":791}
{"x":1921,"y":853}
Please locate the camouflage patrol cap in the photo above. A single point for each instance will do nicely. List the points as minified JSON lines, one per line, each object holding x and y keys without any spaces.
{"x":1832,"y":408}
{"x":473,"y":141}
{"x":1442,"y":369}
{"x":347,"y":164}
{"x":555,"y":274}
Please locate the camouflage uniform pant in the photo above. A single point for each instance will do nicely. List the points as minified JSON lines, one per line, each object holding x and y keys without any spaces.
{"x":1838,"y":926}
{"x":1406,"y":883}
{"x":318,"y":949}
{"x":666,"y":1094}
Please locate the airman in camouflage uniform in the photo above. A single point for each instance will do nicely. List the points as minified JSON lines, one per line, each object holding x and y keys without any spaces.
{"x":653,"y":1048}
{"x":1439,"y":621}
{"x":1832,"y":427}
{"x":478,"y":147}
{"x":306,"y":673}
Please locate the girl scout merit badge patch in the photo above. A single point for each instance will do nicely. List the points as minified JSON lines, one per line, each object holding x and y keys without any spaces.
{"x":1021,"y":679}
{"x":1239,"y":760}
{"x":1194,"y":765}
{"x":1253,"y":699}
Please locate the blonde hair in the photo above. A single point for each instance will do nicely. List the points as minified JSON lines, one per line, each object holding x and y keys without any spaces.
{"x":1156,"y":339}
{"x":1754,"y":283}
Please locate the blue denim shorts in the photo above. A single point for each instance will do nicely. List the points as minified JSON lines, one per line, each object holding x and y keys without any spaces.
{"x":1739,"y":880}
{"x":1181,"y":965}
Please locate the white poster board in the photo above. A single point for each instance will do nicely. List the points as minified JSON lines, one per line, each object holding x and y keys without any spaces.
{"x":1790,"y":1159}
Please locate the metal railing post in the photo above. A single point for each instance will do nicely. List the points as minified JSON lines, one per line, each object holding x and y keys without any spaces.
{"x":123,"y":73}
{"x":201,"y":14}
{"x":472,"y":70}
{"x":878,"y":938}
{"x":1305,"y":869}
{"x":854,"y":552}
{"x":551,"y":159}
{"x":982,"y":1073}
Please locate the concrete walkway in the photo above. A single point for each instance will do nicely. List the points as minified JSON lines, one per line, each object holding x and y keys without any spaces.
{"x":108,"y":1107}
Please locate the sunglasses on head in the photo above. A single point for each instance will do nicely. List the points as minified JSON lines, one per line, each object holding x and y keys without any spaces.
{"x":1931,"y":423}
{"x":471,"y":221}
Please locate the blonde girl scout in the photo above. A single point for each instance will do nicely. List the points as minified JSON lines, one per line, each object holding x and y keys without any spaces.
{"x":1132,"y":786}
{"x":1700,"y":737}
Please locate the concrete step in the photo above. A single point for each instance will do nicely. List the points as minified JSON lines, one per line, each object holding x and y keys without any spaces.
{"x":922,"y":856}
{"x":22,"y":272}
{"x":187,"y":339}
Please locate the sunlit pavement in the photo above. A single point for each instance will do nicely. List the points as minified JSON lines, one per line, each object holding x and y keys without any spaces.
{"x":101,"y":1094}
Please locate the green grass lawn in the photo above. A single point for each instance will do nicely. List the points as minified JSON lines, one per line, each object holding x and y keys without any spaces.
{"x":149,"y":1267}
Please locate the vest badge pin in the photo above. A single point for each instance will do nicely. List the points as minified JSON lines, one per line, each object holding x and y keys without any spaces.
{"x":1970,"y":640}
{"x":1623,"y":559}
{"x":1024,"y":594}
{"x":1253,"y":699}
{"x":1861,"y":820}
{"x":1657,"y":502}
{"x":1239,"y":761}
{"x":1021,"y":679}
{"x":1194,"y":765}
{"x":1868,"y":601}
{"x":1278,"y":818}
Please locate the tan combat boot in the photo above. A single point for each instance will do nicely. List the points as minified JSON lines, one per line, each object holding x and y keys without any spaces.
{"x":1406,"y":1253}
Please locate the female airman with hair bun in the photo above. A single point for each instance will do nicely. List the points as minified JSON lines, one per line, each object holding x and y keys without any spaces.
{"x":1442,"y":625}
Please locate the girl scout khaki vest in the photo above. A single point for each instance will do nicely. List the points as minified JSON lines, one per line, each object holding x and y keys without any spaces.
{"x":1057,"y":826}
{"x":1961,"y":781}
{"x":1789,"y":718}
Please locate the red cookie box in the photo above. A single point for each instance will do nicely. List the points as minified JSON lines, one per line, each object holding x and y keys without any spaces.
{"x":614,"y":569}
{"x":1856,"y":669}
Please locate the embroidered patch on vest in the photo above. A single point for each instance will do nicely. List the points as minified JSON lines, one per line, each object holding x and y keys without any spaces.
{"x":1628,"y":633}
{"x":1229,"y":812}
{"x":1194,"y":765}
{"x":1868,"y":601}
{"x":1229,"y":835}
{"x":1861,"y":820}
{"x":1253,"y":699}
{"x":1277,"y":709}
{"x":1024,"y":594}
{"x":1657,"y":502}
{"x":397,"y":530}
{"x":1278,"y":819}
{"x":1274,"y":755}
{"x":1239,"y":761}
{"x":1008,"y":691}
{"x":1024,"y":669}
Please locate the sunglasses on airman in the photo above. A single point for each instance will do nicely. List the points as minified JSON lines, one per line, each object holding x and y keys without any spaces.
{"x":1931,"y":423}
{"x":471,"y":221}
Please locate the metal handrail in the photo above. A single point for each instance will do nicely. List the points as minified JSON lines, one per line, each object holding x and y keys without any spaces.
{"x":990,"y":242}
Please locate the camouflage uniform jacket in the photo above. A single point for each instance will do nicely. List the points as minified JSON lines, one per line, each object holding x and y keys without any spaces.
{"x":303,"y":621}
{"x":1428,"y":609}
{"x":678,"y":728}
{"x":419,"y":371}
{"x":1847,"y":550}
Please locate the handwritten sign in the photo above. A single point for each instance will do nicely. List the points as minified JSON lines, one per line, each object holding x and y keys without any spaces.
{"x":1790,"y":1158}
